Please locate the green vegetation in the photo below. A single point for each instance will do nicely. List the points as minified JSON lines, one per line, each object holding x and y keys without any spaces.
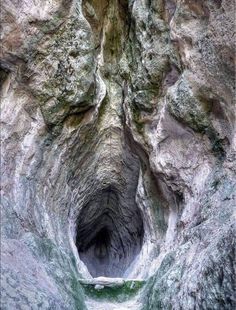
{"x":120,"y":294}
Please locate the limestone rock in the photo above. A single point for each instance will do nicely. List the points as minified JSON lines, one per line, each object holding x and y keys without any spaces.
{"x":118,"y":154}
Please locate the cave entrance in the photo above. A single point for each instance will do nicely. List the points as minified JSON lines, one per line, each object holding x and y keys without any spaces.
{"x":109,"y":234}
{"x":102,"y":244}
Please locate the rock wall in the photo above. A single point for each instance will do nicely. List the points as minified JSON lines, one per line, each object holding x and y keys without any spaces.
{"x":118,"y":152}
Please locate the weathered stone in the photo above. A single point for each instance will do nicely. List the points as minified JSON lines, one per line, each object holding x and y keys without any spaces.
{"x":118,"y":154}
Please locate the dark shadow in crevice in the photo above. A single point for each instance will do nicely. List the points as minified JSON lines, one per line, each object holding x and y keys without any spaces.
{"x":109,"y":234}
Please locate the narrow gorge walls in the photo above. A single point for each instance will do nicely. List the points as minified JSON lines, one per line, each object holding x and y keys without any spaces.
{"x":118,"y":153}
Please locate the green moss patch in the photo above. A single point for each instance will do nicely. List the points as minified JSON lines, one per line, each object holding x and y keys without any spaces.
{"x":119,"y":293}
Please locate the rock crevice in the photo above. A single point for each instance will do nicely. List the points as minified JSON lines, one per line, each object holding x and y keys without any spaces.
{"x":118,"y":153}
{"x":109,"y":233}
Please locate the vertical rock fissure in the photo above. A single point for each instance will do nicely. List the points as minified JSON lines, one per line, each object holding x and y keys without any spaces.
{"x":109,"y":228}
{"x":118,"y":153}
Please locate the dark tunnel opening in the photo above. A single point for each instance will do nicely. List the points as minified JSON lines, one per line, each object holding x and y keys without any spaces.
{"x":102,"y":243}
{"x":109,"y":234}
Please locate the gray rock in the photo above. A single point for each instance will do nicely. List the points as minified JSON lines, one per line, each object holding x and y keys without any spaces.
{"x":118,"y":154}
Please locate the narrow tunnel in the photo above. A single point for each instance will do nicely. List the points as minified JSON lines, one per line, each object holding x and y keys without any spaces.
{"x":109,"y":234}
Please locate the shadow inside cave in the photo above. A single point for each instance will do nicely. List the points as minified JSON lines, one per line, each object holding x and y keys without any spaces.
{"x":109,"y":234}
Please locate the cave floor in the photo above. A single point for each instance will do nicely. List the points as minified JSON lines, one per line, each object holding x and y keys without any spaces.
{"x":104,"y":305}
{"x":112,"y":293}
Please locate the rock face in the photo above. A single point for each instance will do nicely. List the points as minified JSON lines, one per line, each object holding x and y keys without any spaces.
{"x":118,"y":154}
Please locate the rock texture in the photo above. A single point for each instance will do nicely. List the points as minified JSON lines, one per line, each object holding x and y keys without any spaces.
{"x":118,"y":154}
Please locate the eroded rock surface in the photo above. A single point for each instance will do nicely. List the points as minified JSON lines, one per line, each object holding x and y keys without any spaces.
{"x":118,"y":153}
